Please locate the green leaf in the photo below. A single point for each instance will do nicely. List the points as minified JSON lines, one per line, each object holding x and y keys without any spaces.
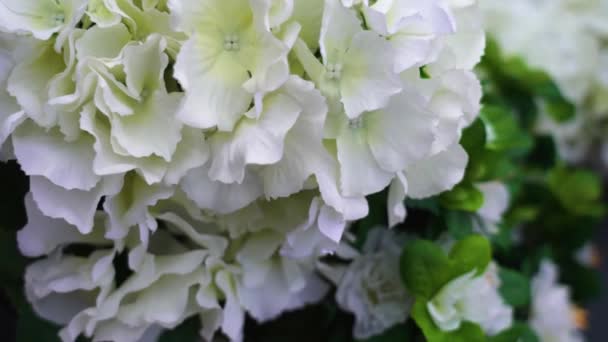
{"x":430,"y":204}
{"x":514,"y":288}
{"x":472,"y":252}
{"x":468,"y":331}
{"x":515,"y":74}
{"x":473,"y":139}
{"x":578,"y":191}
{"x":519,"y":332}
{"x":459,"y":223}
{"x":424,"y":268}
{"x":465,"y":196}
{"x":560,"y":109}
{"x":502,"y":130}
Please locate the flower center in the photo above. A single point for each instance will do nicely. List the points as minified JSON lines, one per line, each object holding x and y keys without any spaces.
{"x":334,"y":71}
{"x":231,"y":42}
{"x":355,"y":123}
{"x":58,"y":19}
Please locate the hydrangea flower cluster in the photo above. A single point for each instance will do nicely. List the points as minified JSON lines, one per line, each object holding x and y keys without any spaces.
{"x":206,"y":153}
{"x":574,"y":54}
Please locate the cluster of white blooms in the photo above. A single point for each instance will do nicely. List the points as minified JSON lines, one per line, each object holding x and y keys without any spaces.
{"x":222,"y":146}
{"x":553,"y":316}
{"x":473,"y":298}
{"x":574,"y":53}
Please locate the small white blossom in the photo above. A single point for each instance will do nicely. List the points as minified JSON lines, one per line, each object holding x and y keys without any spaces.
{"x":371,"y":288}
{"x":552,"y":311}
{"x":471,"y":298}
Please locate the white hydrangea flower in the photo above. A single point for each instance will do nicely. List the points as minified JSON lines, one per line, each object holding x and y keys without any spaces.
{"x":357,"y":64}
{"x":471,"y":298}
{"x":42,"y":18}
{"x":371,"y":288}
{"x":552,"y":315}
{"x":412,"y":28}
{"x":230,"y":57}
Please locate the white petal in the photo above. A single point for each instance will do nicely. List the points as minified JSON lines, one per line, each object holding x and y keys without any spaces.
{"x":368,"y":79}
{"x":496,"y":200}
{"x":130,"y":207}
{"x":191,"y":152}
{"x":396,"y":195}
{"x":218,"y":196}
{"x":30,"y":77}
{"x":338,"y":28}
{"x":438,"y":173}
{"x":401,"y":133}
{"x":67,"y":164}
{"x":42,"y":234}
{"x":77,"y":207}
{"x":152,"y":129}
{"x":360,"y":173}
{"x":254,"y":141}
{"x":215,"y":96}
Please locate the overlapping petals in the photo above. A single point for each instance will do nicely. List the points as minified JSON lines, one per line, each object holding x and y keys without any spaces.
{"x":210,"y":152}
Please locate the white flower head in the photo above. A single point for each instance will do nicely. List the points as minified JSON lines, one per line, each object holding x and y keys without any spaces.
{"x":471,"y":298}
{"x":230,"y":58}
{"x":371,"y":287}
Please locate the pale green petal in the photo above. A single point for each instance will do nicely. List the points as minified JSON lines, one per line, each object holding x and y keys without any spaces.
{"x":152,"y":129}
{"x":107,"y":161}
{"x":368,"y":80}
{"x":309,"y":13}
{"x":102,"y":42}
{"x":41,"y":18}
{"x":130,"y":207}
{"x":101,"y":14}
{"x":145,"y":77}
{"x":29,"y":79}
{"x":338,"y":28}
{"x":214,"y":96}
